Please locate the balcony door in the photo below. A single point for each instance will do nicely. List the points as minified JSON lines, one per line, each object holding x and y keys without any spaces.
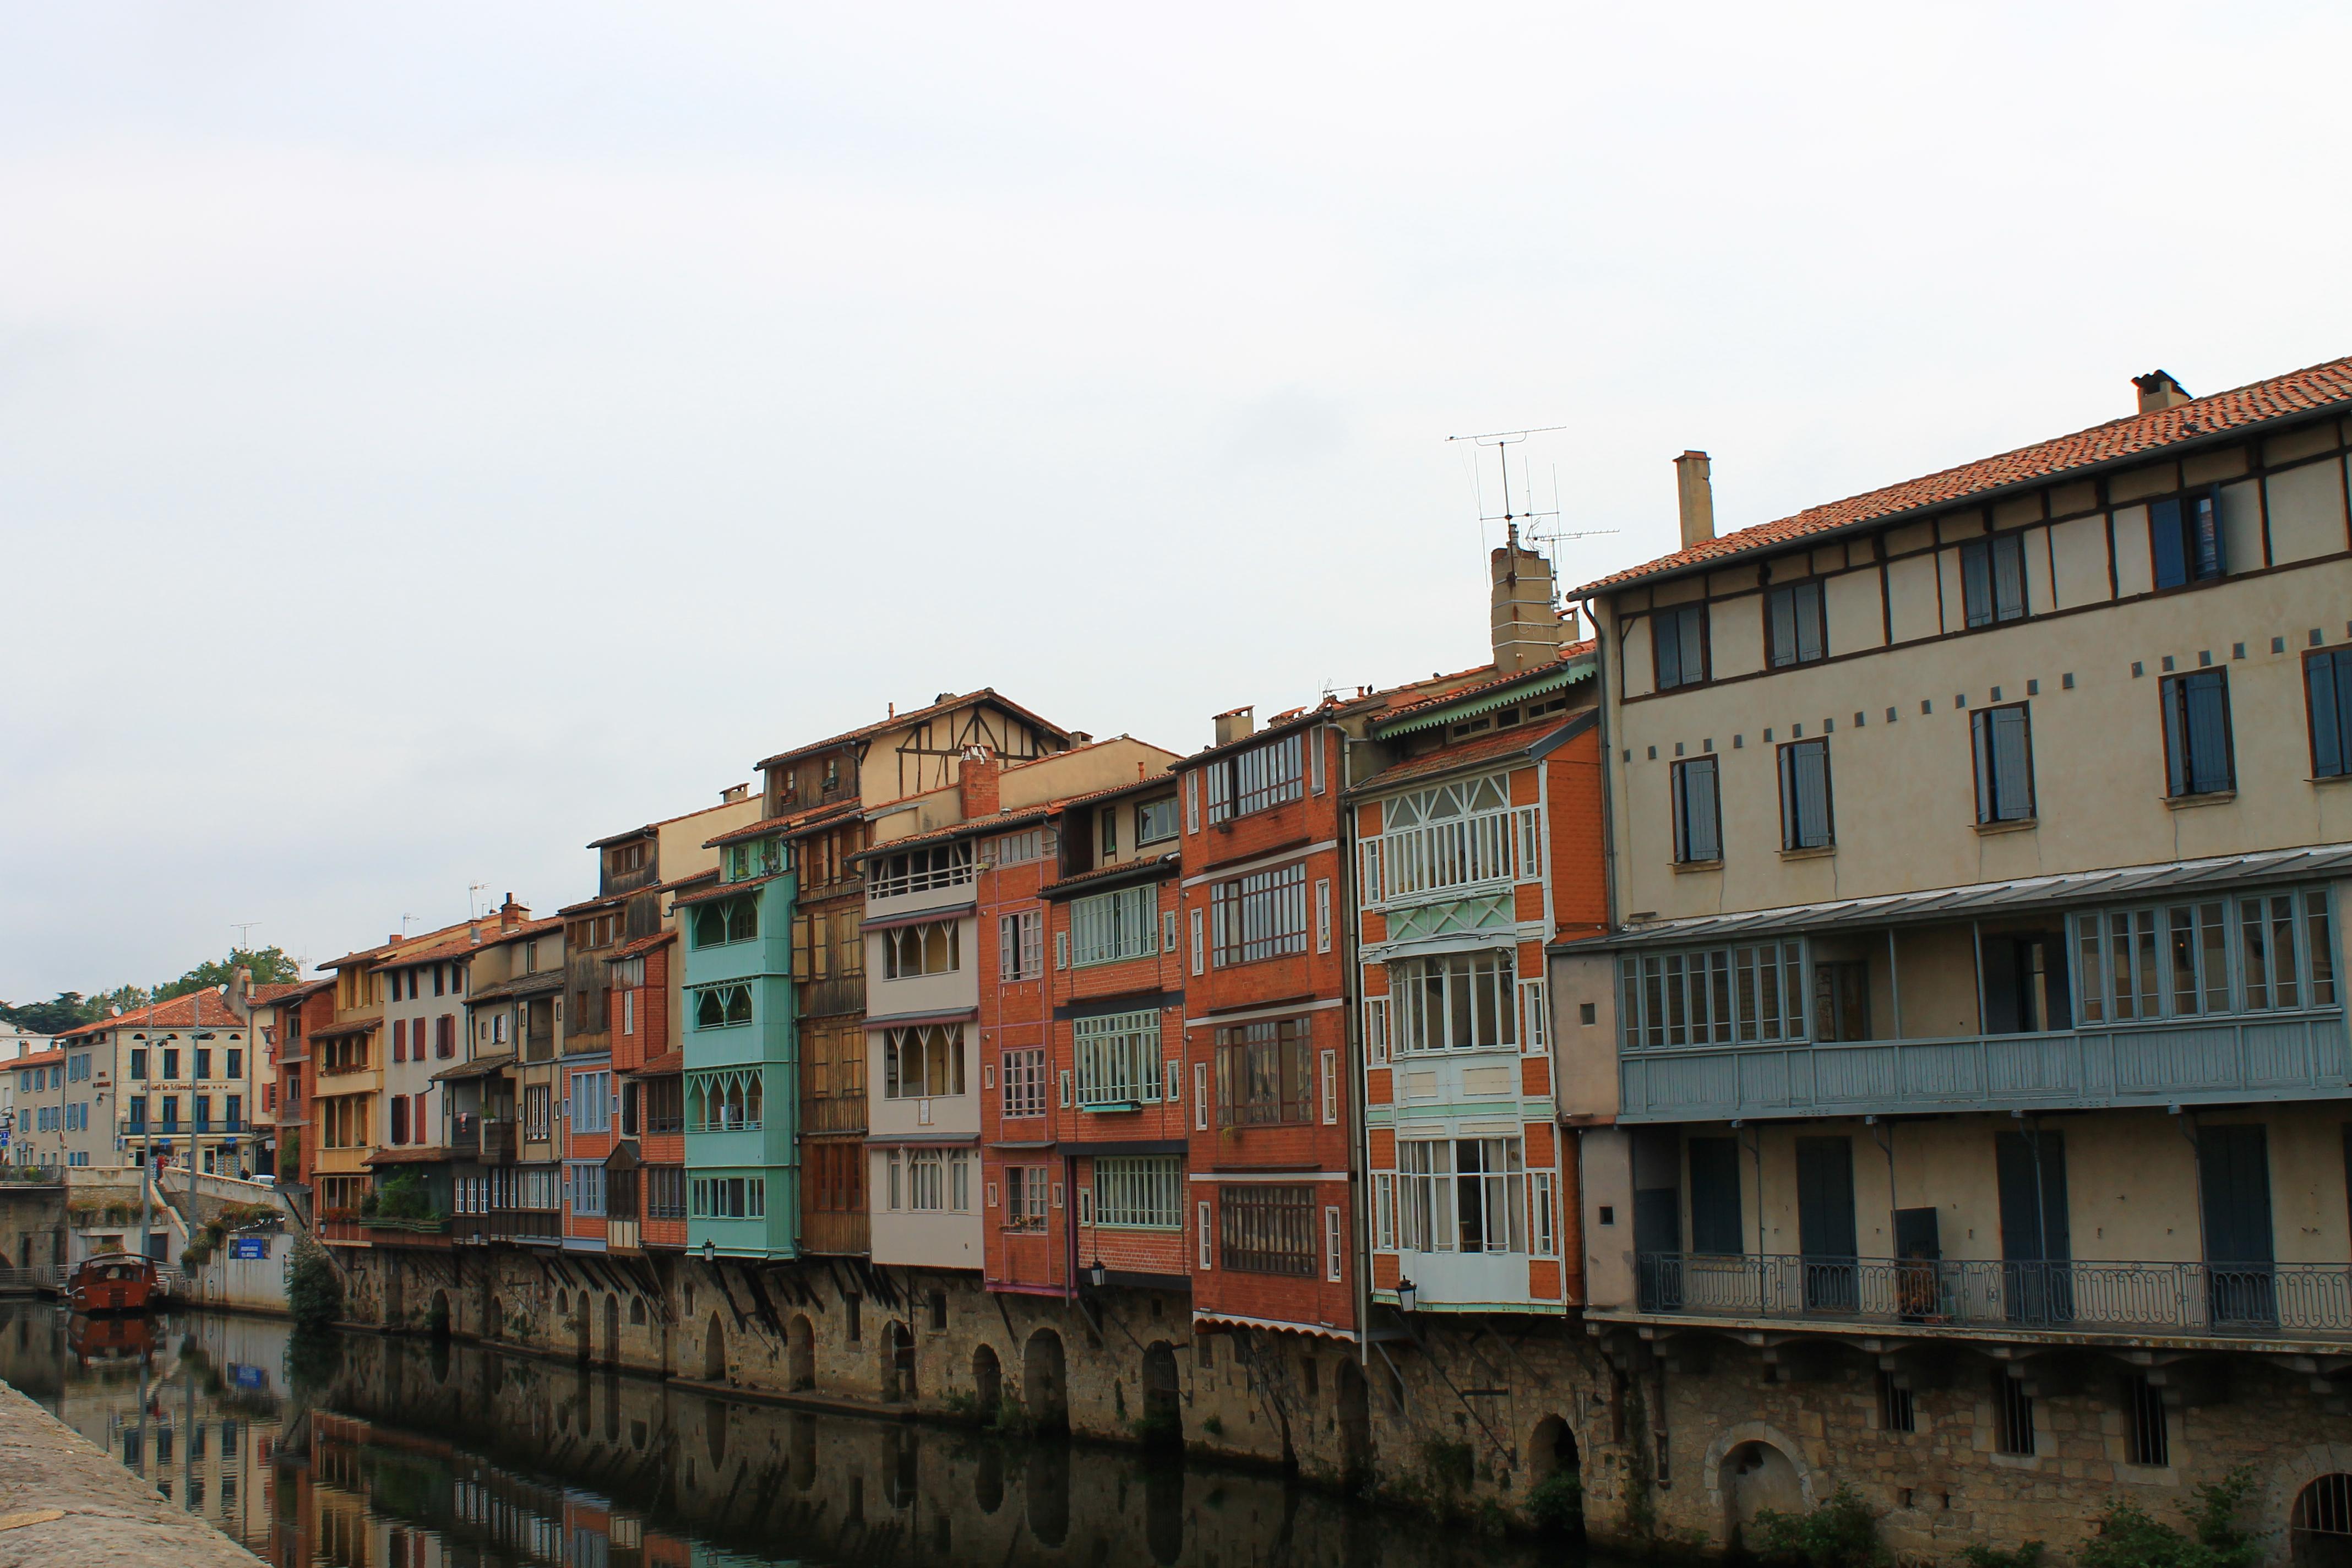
{"x":1825,"y":1223}
{"x":2233,"y":1169}
{"x":2037,"y":1246}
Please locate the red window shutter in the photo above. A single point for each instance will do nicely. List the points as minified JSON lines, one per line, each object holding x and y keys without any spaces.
{"x":399,"y":1043}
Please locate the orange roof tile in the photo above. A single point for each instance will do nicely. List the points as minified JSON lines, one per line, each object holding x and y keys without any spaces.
{"x":1469,"y":754}
{"x":1571,"y":652}
{"x":196,"y":1010}
{"x":2306,"y":391}
{"x":790,"y":822}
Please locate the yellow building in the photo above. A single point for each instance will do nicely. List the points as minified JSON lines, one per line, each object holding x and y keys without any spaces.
{"x":1976,"y":847}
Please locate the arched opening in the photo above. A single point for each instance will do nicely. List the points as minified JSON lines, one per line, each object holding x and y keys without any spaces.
{"x":1555,"y":1479}
{"x":494,"y":1319}
{"x":2319,"y":1529}
{"x":714,"y":1352}
{"x":1758,"y":1476}
{"x":579,"y":1327}
{"x":1355,"y":1402}
{"x":1045,"y":1382}
{"x":1163,"y":1417}
{"x":898,"y":1362}
{"x":987,"y":1381}
{"x":1163,"y":1512}
{"x":799,"y":1351}
{"x":612,"y":1331}
{"x":437,"y":1315}
{"x":637,"y":1311}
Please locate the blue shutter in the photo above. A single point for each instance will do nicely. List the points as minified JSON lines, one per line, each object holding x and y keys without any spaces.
{"x":1981,"y":733}
{"x":1784,"y":627}
{"x":2209,"y":732}
{"x":1809,"y":638}
{"x":2008,"y":579}
{"x":2176,"y":738}
{"x":1976,"y":582}
{"x":2166,"y":544}
{"x":2330,"y":675}
{"x":2012,"y":775}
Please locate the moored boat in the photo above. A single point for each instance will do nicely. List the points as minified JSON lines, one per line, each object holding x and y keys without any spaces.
{"x":111,"y":1282}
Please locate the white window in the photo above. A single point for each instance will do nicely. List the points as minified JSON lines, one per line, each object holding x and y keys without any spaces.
{"x":1384,"y":1212}
{"x":934,"y":947}
{"x":1322,"y":914}
{"x":1198,"y":941}
{"x":1201,"y":1097}
{"x":895,"y":1200}
{"x":1457,"y":1001}
{"x":591,"y":1102}
{"x":1450,"y":836}
{"x":1466,"y":1195}
{"x":1168,"y":930}
{"x":1108,"y":927}
{"x":926,"y":1180}
{"x":1118,"y":1058}
{"x":1020,"y":945}
{"x":628,"y":1012}
{"x":1066,"y":1089}
{"x":1542,"y":1236}
{"x":1019,"y":848}
{"x":1261,"y":915}
{"x":1061,"y":950}
{"x":1315,"y":760}
{"x":1142,"y":1191}
{"x":1331,"y":1087}
{"x":587,"y":1188}
{"x":1208,"y":1240}
{"x":1024,"y":1197}
{"x":1175,"y":1083}
{"x":1376,"y":1028}
{"x":1024,"y":1082}
{"x":960,"y":1163}
{"x":1533,"y":1020}
{"x":918,"y":870}
{"x":1257,"y":778}
{"x":1085,"y":1207}
{"x":730,"y":1101}
{"x":1191,"y":803}
{"x":1720,"y":996}
{"x":1333,"y":1265}
{"x":922,"y":1063}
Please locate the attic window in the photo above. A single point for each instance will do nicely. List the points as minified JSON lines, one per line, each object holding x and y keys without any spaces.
{"x":629,"y":858}
{"x":1471,"y":726}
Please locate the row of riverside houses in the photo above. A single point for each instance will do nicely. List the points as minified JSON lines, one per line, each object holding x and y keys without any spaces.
{"x":1870,"y":1013}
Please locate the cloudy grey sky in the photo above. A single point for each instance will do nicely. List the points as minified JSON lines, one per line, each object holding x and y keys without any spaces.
{"x":432,"y":436}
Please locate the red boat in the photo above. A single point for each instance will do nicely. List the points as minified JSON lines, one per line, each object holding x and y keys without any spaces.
{"x":111,"y":1282}
{"x":110,"y":1339}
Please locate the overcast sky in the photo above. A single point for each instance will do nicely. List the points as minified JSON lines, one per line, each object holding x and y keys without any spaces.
{"x":432,"y":437}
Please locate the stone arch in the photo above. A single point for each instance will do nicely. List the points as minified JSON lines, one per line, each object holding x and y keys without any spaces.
{"x":2294,"y":1477}
{"x":1044,"y":1378}
{"x":799,"y":1351}
{"x":1556,"y":1475}
{"x":1753,"y":1465}
{"x":1355,"y":1412}
{"x":987,"y":1381}
{"x":1163,"y":1395}
{"x":898,"y":1361}
{"x":2319,"y":1524}
{"x":714,"y":1352}
{"x":637,"y":1311}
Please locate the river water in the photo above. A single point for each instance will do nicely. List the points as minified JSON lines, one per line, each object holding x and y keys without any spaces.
{"x":364,"y":1451}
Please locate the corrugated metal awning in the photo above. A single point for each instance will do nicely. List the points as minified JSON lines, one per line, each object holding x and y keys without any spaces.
{"x":2124,"y":884}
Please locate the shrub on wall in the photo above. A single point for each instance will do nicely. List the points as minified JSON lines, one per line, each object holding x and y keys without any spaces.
{"x":314,"y":1291}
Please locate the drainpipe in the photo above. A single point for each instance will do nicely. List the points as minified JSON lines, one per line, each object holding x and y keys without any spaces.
{"x":1355,"y":1063}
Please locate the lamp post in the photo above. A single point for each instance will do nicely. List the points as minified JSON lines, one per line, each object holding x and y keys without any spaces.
{"x":1408,"y":1295}
{"x":1097,"y":1274}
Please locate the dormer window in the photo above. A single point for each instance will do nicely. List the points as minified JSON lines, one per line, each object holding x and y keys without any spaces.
{"x":629,"y":858}
{"x":761,"y":857}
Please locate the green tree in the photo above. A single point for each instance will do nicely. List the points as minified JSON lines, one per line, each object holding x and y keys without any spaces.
{"x":271,"y":966}
{"x":2128,"y":1537}
{"x":314,"y":1291}
{"x":70,"y":1009}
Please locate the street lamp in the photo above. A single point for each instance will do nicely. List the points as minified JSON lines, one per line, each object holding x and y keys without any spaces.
{"x":1097,"y":1273}
{"x":1408,"y":1295}
{"x":709,"y":1250}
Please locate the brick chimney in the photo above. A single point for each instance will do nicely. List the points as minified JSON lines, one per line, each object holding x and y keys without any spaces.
{"x":511,"y":914}
{"x":1235,"y":724}
{"x":1694,"y":494}
{"x":733,"y":793}
{"x":1524,"y":629}
{"x":2158,"y":390}
{"x":976,"y":781}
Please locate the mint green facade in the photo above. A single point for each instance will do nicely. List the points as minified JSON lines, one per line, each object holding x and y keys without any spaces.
{"x":742,"y":1078}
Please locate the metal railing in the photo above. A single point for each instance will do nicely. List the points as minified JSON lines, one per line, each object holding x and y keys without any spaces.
{"x":2236,"y":1299}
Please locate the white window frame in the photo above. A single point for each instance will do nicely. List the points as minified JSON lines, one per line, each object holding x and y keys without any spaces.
{"x":1376,"y":1028}
{"x":1138,"y":1192}
{"x":1535,"y":1021}
{"x":1322,"y":914}
{"x":1330,"y":1065}
{"x":1200,"y":1097}
{"x":1200,"y":940}
{"x":1334,"y":1269}
{"x":1384,"y":1211}
{"x":1118,"y":1057}
{"x":1109,"y":928}
{"x":1421,"y":987}
{"x":1208,"y":1252}
{"x":1192,"y":803}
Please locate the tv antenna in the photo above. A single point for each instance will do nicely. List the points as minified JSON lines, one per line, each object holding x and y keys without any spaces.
{"x":404,"y":923}
{"x":1502,"y":441}
{"x":471,"y":888}
{"x":244,"y":930}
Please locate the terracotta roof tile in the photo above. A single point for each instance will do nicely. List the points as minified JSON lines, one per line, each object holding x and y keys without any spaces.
{"x":642,"y":944}
{"x":197,"y":1010}
{"x":1567,"y":654}
{"x":2319,"y":386}
{"x":913,"y":715}
{"x":724,"y":891}
{"x":790,"y":822}
{"x":663,"y":1066}
{"x":1165,"y":863}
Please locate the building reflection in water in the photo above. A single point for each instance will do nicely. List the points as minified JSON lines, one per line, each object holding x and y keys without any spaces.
{"x":372,"y":1452}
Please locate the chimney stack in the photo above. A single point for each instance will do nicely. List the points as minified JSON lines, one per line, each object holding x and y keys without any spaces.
{"x":1695,"y":493}
{"x":733,"y":793}
{"x":511,"y":914}
{"x":976,"y":782}
{"x":1523,"y":629}
{"x":1235,"y":724}
{"x":2158,"y":390}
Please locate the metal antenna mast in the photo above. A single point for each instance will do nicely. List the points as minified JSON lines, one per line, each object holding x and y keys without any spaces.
{"x":244,"y":930}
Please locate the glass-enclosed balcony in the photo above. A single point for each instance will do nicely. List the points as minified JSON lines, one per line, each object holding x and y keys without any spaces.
{"x":2201,"y":990}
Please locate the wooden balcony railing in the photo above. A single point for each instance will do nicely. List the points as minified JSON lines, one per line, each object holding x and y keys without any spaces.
{"x":833,"y":1113}
{"x":833,"y":1231}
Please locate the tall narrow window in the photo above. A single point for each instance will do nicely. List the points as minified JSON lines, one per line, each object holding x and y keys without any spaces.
{"x":1793,"y":614}
{"x":2004,"y":756}
{"x":2012,"y":1415}
{"x":2184,"y":540}
{"x":1805,"y":817}
{"x":1698,"y":835}
{"x":2327,"y":679}
{"x":1680,"y":646}
{"x":1992,"y":579}
{"x":2197,"y":749}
